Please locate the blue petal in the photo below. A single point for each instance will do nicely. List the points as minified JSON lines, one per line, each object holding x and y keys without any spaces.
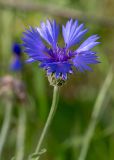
{"x":16,"y":49}
{"x":30,"y":60}
{"x":33,"y":44}
{"x":59,"y":68}
{"x":73,"y":33}
{"x":49,"y":32}
{"x":16,"y":65}
{"x":82,"y":60}
{"x":88,"y":44}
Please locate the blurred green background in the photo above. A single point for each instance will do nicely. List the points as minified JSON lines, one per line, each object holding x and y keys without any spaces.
{"x":77,"y":96}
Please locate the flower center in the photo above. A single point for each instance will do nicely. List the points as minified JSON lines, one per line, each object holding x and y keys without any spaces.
{"x":61,"y":54}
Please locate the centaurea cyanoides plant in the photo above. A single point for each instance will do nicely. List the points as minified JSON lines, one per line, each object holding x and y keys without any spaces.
{"x":19,"y":92}
{"x":7,"y":88}
{"x":16,"y":63}
{"x":41,"y":44}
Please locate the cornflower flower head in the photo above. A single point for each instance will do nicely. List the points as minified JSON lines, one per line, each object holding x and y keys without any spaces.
{"x":16,"y":63}
{"x":59,"y":61}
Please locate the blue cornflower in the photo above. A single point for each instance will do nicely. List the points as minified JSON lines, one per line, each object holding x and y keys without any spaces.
{"x":16,"y":64}
{"x":57,"y":60}
{"x":16,"y":49}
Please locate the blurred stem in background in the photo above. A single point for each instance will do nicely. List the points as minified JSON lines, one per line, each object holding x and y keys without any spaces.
{"x":39,"y":151}
{"x":6,"y":125}
{"x":21,"y":134}
{"x":95,"y":115}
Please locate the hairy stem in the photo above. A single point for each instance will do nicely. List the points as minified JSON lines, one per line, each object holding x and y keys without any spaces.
{"x":49,"y":120}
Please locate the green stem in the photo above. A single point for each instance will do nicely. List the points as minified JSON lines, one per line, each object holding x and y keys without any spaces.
{"x":95,"y":115}
{"x":5,"y":126}
{"x":21,"y":134}
{"x":49,"y":119}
